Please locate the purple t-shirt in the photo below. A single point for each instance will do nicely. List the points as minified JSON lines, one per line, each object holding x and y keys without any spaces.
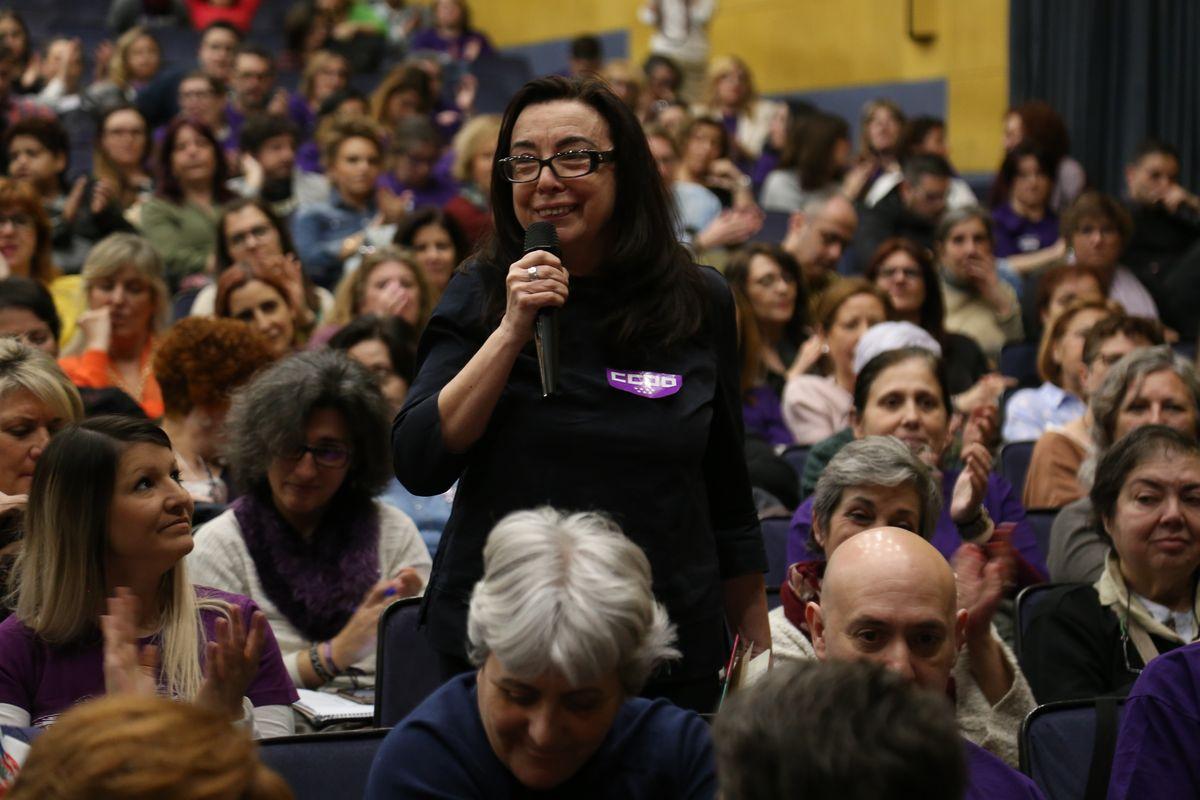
{"x":1014,"y":235}
{"x":1160,"y":730}
{"x":763,"y":416}
{"x":999,"y":499}
{"x":46,"y":681}
{"x":989,"y":778}
{"x":437,"y":192}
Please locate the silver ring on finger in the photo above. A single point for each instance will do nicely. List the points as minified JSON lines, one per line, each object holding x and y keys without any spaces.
{"x":532,"y":272}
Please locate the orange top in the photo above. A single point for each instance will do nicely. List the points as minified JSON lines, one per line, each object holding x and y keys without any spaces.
{"x":94,"y":370}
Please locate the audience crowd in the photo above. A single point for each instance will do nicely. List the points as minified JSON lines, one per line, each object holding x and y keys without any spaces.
{"x":218,"y":291}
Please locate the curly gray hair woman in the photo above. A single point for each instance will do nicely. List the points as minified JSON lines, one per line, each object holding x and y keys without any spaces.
{"x":1149,"y":386}
{"x":308,"y":541}
{"x":564,"y":630}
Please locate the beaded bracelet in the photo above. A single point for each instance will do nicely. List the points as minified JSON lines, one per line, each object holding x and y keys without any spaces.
{"x":317,"y":666}
{"x":328,"y":651}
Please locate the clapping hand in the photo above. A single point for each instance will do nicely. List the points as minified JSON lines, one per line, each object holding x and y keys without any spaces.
{"x":982,"y":577}
{"x":969,"y":489}
{"x":231,"y":662}
{"x":128,"y":669}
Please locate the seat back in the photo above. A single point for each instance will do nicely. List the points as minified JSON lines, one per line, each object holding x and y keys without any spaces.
{"x":323,"y":765}
{"x":1019,"y":360}
{"x":775,"y":533}
{"x":1042,"y":521}
{"x":1067,"y":747}
{"x":406,"y":665}
{"x":796,"y":455}
{"x":1027,"y":603}
{"x":1014,"y":464}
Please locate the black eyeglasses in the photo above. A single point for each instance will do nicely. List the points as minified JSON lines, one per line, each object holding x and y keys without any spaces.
{"x":568,"y":164}
{"x":332,"y":456}
{"x":241,"y":237}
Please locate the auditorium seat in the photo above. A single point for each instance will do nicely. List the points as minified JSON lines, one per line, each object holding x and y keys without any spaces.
{"x":1067,"y":747}
{"x":322,"y":765}
{"x":1027,"y":602}
{"x":1014,"y":464}
{"x":1041,"y":520}
{"x":1019,"y":360}
{"x":775,"y":533}
{"x":406,"y":666}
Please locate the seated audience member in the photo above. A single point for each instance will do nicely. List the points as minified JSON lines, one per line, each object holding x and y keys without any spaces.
{"x":1149,"y":386}
{"x":107,"y":518}
{"x":814,"y":161}
{"x":201,"y":98}
{"x":568,"y":688}
{"x":451,"y":33}
{"x":252,"y":88}
{"x":1058,"y":287}
{"x":134,"y":63}
{"x":406,"y":92}
{"x":880,"y":124}
{"x":119,"y":182}
{"x":437,"y":242}
{"x":701,"y":221}
{"x":474,"y":153}
{"x":36,"y":400}
{"x":238,"y":13}
{"x":923,"y":135}
{"x":415,"y":149}
{"x":705,"y":161}
{"x":770,"y":280}
{"x":784,"y":119}
{"x":881,"y":737}
{"x":141,"y":746}
{"x":1084,"y":641}
{"x":902,"y":393}
{"x":910,"y":211}
{"x":325,"y":74}
{"x":878,"y":481}
{"x":307,"y":443}
{"x":62,"y":80}
{"x":388,"y":284}
{"x":198,"y":363}
{"x":762,"y":416}
{"x":980,"y":303}
{"x":37,"y":152}
{"x":1053,"y":478}
{"x":662,"y":79}
{"x":25,"y":247}
{"x":1096,"y":228}
{"x":905,"y":271}
{"x":181,"y":219}
{"x":329,"y":233}
{"x":250,"y":236}
{"x":818,"y":394}
{"x":401,"y":20}
{"x":1160,"y":723}
{"x":1037,"y":122}
{"x":889,"y":597}
{"x":1166,"y":216}
{"x":263,"y":302}
{"x":27,"y":314}
{"x":1025,"y":227}
{"x":1031,"y":412}
{"x":268,"y":144}
{"x":127,"y":307}
{"x":387,"y":346}
{"x":586,"y":58}
{"x":623,"y":80}
{"x":817,"y":237}
{"x":351,"y":28}
{"x":731,"y":97}
{"x":342,"y":104}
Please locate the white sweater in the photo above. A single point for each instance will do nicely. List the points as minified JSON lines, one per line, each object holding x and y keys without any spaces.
{"x":994,"y":728}
{"x":221,"y":560}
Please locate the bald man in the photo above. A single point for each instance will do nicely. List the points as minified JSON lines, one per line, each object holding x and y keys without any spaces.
{"x":890,"y":597}
{"x":817,"y":236}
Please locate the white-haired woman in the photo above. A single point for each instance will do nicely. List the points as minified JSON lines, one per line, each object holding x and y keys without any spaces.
{"x":564,"y":630}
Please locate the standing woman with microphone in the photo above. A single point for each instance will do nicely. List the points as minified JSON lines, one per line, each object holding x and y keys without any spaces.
{"x":645,"y":423}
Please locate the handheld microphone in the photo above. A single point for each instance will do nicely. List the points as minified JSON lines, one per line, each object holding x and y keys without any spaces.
{"x":543,"y":236}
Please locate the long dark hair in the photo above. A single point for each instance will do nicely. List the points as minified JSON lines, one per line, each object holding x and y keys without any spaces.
{"x":933,"y":309}
{"x":658,"y":294}
{"x":737,"y":272}
{"x":810,"y":146}
{"x":168,"y":183}
{"x":890,"y":358}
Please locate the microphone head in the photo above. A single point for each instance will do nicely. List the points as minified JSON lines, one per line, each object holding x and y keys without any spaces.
{"x":541,"y":236}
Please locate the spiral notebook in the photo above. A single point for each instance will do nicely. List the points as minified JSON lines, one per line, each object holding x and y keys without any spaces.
{"x":322,"y":708}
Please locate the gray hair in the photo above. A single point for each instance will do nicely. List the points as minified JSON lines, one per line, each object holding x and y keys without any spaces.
{"x":1105,"y":403}
{"x":875,"y":461}
{"x":568,"y":593}
{"x":954,"y":217}
{"x":267,"y":417}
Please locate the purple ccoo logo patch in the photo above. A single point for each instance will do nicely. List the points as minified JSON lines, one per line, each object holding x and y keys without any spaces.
{"x":645,"y":384}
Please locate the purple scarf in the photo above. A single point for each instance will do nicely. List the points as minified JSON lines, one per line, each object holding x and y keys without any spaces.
{"x":316,"y":583}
